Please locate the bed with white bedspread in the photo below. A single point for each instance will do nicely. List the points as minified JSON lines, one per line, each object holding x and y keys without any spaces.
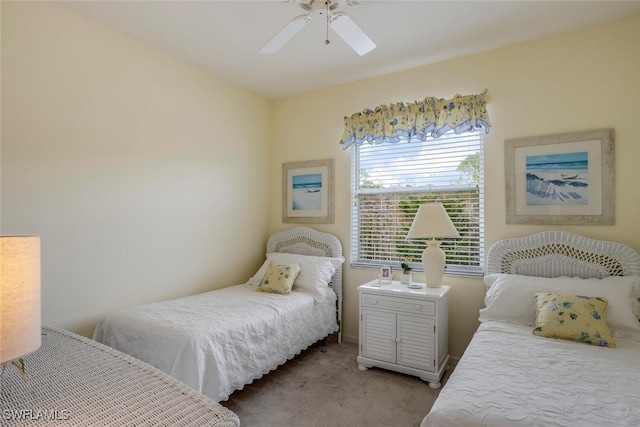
{"x":510,"y":377}
{"x":218,"y":341}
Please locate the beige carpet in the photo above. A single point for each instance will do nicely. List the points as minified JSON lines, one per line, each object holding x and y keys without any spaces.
{"x":327,"y":389}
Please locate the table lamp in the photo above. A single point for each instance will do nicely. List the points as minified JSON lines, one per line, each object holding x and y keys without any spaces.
{"x":20,"y":326}
{"x":432,"y":221}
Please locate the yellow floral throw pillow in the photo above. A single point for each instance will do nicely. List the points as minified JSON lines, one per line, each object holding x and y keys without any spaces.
{"x":279,"y":278}
{"x":573,"y":317}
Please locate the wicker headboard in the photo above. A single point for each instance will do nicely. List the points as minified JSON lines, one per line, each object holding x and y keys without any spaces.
{"x":559,"y":253}
{"x":307,"y":241}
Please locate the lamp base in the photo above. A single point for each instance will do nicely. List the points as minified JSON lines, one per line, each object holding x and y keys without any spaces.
{"x":433,"y":262}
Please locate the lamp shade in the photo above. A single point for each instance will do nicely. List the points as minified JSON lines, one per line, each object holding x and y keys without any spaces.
{"x":432,"y":221}
{"x":20,"y":324}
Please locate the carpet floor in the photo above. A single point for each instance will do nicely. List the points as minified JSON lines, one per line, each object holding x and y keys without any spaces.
{"x":323,"y":389}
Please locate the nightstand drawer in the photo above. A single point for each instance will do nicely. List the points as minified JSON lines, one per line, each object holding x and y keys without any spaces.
{"x":401,"y":304}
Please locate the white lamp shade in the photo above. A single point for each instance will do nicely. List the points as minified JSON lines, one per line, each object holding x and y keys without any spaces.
{"x":20,"y":325}
{"x":432,"y":221}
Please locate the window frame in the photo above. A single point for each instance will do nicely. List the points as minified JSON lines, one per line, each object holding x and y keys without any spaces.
{"x":416,"y":265}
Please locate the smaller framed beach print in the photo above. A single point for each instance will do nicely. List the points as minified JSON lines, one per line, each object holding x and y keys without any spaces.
{"x":560,"y":179}
{"x":307,"y":192}
{"x":385,"y":275}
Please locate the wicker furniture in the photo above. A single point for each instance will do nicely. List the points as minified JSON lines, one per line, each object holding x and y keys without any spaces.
{"x":559,"y":253}
{"x":508,"y":376}
{"x":75,"y":381}
{"x":307,"y":241}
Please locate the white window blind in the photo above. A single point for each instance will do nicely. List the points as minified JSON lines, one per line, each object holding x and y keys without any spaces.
{"x":390,"y":182}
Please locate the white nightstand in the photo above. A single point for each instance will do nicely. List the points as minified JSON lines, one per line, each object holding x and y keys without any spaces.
{"x":404,"y":330}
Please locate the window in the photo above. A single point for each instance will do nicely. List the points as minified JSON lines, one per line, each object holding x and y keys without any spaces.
{"x":390,"y":181}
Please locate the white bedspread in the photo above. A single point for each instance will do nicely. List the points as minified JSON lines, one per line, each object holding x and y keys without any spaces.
{"x":509,"y":377}
{"x":218,"y":341}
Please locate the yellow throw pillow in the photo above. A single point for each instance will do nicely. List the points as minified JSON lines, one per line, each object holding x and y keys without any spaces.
{"x":573,"y":317}
{"x":279,"y":278}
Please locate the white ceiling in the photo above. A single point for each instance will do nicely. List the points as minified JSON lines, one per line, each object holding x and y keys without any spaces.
{"x":224,"y":37}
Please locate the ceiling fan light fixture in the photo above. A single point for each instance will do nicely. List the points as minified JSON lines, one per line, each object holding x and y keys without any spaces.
{"x":342,"y":24}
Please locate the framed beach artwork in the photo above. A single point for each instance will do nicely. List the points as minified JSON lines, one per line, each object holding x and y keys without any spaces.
{"x":561,"y":179}
{"x":307,"y":192}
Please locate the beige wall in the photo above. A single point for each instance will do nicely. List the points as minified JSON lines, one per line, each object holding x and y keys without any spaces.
{"x":583,"y":80}
{"x":132,"y":167}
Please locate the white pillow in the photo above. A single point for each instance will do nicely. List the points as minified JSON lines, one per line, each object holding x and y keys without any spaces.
{"x":315,"y":274}
{"x":510,"y":298}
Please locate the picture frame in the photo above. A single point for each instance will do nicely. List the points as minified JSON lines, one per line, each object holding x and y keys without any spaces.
{"x":561,"y":179}
{"x":386,"y":274}
{"x":308,"y":192}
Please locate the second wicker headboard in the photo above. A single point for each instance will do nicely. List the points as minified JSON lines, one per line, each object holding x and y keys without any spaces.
{"x":559,"y":253}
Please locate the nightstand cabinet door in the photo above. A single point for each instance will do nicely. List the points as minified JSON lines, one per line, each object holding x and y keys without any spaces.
{"x":416,"y":342}
{"x":399,"y":339}
{"x":379,"y":335}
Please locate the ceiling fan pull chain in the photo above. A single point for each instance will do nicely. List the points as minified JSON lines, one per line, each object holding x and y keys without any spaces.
{"x":326,"y":41}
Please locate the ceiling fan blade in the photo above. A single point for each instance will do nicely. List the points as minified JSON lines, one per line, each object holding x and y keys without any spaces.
{"x":286,"y":33}
{"x":351,"y":33}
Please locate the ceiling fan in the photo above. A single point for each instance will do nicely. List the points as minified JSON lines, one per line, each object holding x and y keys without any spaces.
{"x":342,"y":24}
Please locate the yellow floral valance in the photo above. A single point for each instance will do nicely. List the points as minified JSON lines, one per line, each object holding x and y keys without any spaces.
{"x":416,"y":121}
